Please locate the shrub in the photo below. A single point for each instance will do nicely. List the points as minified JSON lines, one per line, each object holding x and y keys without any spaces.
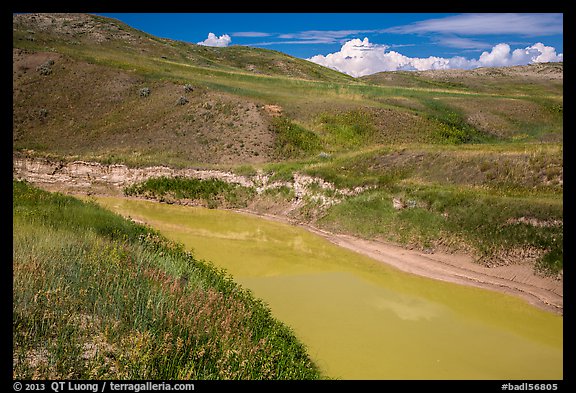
{"x":213,"y":192}
{"x":182,"y":101}
{"x":144,"y":92}
{"x":45,"y":68}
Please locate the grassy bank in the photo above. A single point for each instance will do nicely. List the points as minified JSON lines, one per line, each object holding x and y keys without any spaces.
{"x":209,"y":192}
{"x":499,"y":230}
{"x":502,"y":202}
{"x":97,"y":296}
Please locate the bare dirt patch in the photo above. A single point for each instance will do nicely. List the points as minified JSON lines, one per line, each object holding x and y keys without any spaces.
{"x":273,"y":110}
{"x":82,"y":108}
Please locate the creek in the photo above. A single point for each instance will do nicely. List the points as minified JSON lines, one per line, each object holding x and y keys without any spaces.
{"x":360,"y":318}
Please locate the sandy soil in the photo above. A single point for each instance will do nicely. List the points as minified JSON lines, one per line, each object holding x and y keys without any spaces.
{"x":517,"y":280}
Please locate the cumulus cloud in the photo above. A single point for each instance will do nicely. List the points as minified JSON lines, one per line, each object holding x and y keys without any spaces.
{"x":501,"y":55}
{"x":212,"y":40}
{"x":361,"y":57}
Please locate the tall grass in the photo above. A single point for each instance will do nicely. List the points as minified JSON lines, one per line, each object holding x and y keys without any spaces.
{"x":96,"y":296}
{"x":212,"y":192}
{"x":293,"y":140}
{"x":492,"y":226}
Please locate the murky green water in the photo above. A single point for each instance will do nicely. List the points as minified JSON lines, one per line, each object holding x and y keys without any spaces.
{"x":359,"y":318}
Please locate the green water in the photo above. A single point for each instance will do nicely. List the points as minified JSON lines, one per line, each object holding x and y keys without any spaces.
{"x":359,"y":318}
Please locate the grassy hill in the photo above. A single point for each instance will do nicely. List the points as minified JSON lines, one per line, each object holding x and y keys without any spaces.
{"x":473,"y":159}
{"x":92,"y":88}
{"x":78,"y":82}
{"x":97,"y":296}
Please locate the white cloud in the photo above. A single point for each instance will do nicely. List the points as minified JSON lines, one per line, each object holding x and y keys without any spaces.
{"x":501,"y":55}
{"x":328,"y":36}
{"x":461,"y":43}
{"x":530,"y":24}
{"x":250,"y":34}
{"x":361,"y":57}
{"x":303,"y":42}
{"x":212,"y":40}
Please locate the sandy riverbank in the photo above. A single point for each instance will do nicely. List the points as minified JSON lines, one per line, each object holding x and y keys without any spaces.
{"x":518,"y":280}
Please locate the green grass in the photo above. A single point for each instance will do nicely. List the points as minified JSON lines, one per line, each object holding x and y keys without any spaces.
{"x":463,"y":196}
{"x":453,"y":129}
{"x":293,"y":140}
{"x":245,"y":170}
{"x":213,"y":192}
{"x":344,"y":131}
{"x":455,"y":217}
{"x":98,"y":297}
{"x":522,"y":169}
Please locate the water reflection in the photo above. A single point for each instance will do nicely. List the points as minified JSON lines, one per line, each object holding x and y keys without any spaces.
{"x":361,"y":319}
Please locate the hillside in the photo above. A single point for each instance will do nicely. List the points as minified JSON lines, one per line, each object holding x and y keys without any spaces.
{"x":78,"y":83}
{"x":449,"y":159}
{"x":82,"y":33}
{"x":517,"y":79}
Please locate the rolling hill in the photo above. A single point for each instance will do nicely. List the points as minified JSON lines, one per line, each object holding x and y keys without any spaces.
{"x":78,"y":82}
{"x":453,"y":143}
{"x":438,"y":162}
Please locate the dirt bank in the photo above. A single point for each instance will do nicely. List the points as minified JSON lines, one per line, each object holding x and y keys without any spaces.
{"x":518,"y":280}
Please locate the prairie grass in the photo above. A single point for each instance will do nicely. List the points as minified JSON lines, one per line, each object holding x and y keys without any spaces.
{"x":471,"y":197}
{"x":293,"y":140}
{"x":344,"y":131}
{"x":212,"y":192}
{"x":489,"y":225}
{"x":96,"y":296}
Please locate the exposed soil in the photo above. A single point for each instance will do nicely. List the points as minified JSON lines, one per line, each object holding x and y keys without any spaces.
{"x":80,"y":108}
{"x":515,"y":279}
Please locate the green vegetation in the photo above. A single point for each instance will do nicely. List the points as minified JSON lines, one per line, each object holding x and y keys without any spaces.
{"x":293,"y":140}
{"x":452,"y":128}
{"x":442,"y":216}
{"x":344,"y":131}
{"x":213,"y":192}
{"x":527,"y":169}
{"x":492,"y":200}
{"x":99,"y":297}
{"x":476,"y":156}
{"x":246,"y":170}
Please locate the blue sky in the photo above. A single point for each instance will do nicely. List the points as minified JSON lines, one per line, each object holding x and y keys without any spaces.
{"x":361,"y":43}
